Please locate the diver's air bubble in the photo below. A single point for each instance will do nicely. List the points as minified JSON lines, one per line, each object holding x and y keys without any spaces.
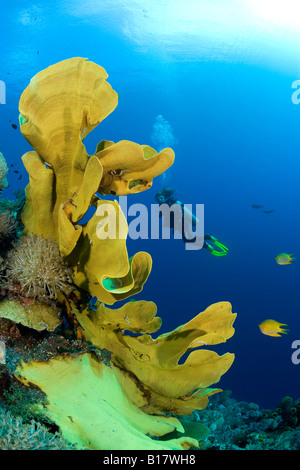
{"x":162,"y":134}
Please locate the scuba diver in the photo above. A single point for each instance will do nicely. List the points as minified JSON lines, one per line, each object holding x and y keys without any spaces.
{"x":211,"y":243}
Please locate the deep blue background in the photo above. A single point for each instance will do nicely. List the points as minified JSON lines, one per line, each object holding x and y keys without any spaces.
{"x":237,"y":144}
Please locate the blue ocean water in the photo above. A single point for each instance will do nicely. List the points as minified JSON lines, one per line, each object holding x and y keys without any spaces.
{"x":221,"y":74}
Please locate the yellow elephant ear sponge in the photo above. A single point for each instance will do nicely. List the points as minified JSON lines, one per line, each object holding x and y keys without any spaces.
{"x":60,"y":106}
{"x":58,"y":109}
{"x":121,"y":402}
{"x":129,"y":168}
{"x":86,"y":400}
{"x":171,"y":386}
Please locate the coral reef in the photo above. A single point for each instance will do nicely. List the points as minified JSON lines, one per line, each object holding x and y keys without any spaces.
{"x":8,"y":231}
{"x":3,"y":173}
{"x":7,"y":226}
{"x":17,"y":435}
{"x":237,"y":425}
{"x":287,"y":413}
{"x":226,"y":424}
{"x":10,"y":215}
{"x":10,"y":222}
{"x":103,"y":379}
{"x":14,"y":206}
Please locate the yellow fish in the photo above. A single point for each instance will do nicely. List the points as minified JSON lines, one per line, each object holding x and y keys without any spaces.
{"x":272,"y":328}
{"x":284,"y":258}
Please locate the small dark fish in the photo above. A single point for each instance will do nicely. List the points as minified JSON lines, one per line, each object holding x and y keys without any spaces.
{"x":11,"y":164}
{"x":16,"y":171}
{"x":20,"y":177}
{"x":14,"y":126}
{"x":257,"y":206}
{"x":269,"y":211}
